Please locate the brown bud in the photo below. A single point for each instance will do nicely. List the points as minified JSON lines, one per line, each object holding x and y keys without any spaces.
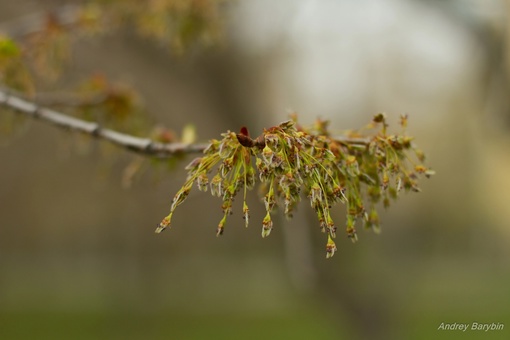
{"x":245,"y":140}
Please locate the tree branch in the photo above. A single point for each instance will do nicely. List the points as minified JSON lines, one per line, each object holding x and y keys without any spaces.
{"x":144,"y":146}
{"x":141,"y":145}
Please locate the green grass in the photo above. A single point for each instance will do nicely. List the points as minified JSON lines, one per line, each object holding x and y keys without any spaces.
{"x":61,"y":325}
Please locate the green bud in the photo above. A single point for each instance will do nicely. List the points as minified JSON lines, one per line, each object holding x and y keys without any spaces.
{"x":267,"y":225}
{"x":246,"y":214}
{"x":330,"y":248}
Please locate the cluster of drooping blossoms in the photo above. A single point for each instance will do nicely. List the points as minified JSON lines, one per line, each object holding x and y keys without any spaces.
{"x":291,"y":162}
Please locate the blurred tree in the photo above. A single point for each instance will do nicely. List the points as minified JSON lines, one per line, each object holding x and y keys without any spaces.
{"x":487,"y":23}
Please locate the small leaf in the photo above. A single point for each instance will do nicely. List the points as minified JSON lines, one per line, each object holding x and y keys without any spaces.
{"x":189,"y":134}
{"x":8,"y":48}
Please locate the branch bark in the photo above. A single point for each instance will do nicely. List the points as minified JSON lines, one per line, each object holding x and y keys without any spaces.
{"x":144,"y":146}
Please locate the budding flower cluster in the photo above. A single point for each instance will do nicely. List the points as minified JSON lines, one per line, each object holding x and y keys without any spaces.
{"x":290,"y":161}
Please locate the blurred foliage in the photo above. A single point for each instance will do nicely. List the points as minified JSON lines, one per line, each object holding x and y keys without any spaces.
{"x":49,"y":50}
{"x":42,"y":53}
{"x":34,"y":62}
{"x":178,"y":24}
{"x":113,"y":104}
{"x":13,"y":72}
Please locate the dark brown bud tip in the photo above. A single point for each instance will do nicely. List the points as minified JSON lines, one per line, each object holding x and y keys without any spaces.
{"x":244,"y":131}
{"x":245,"y":140}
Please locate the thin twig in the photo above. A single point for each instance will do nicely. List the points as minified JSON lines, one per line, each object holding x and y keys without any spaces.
{"x":144,"y":146}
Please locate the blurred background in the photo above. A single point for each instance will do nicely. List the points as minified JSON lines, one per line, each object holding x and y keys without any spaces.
{"x":78,"y":255}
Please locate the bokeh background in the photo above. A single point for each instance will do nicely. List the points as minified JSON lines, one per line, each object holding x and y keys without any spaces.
{"x":78,"y":255}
